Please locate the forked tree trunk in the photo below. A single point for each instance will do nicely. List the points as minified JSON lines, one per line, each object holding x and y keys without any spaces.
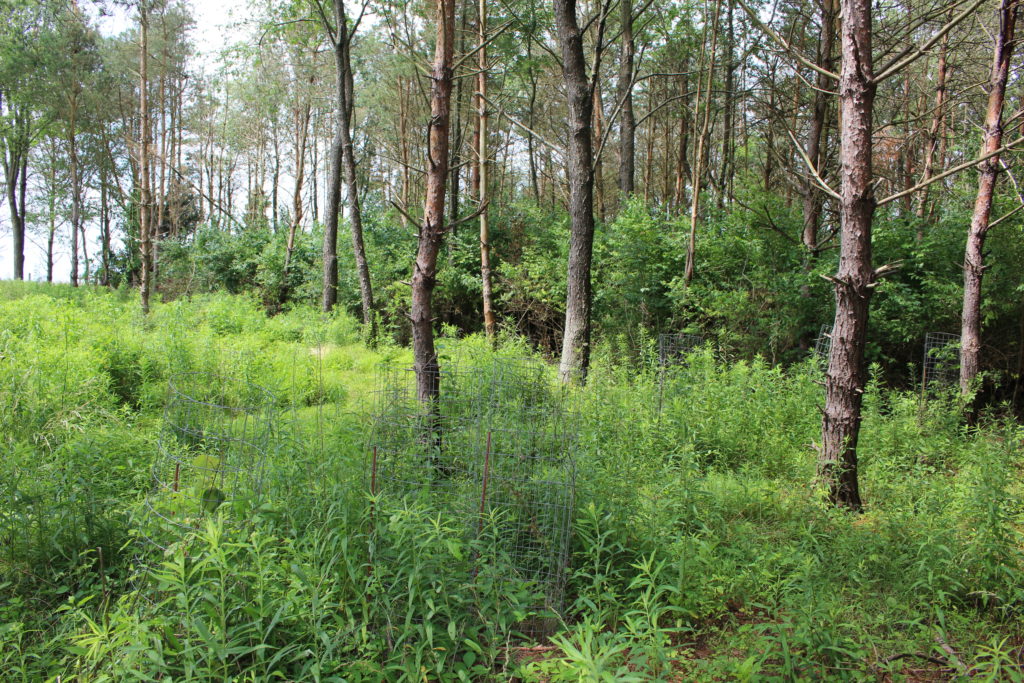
{"x":343,"y":166}
{"x":576,"y":335}
{"x":485,"y":232}
{"x":432,"y":230}
{"x":846,"y":376}
{"x":992,"y":138}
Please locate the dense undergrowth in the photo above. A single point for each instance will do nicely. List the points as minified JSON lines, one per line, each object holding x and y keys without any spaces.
{"x":701,"y":550}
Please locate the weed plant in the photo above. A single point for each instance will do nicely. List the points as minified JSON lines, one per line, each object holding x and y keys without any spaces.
{"x":701,"y":549}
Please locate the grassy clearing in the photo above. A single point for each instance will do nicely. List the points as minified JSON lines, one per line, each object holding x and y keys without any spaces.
{"x":700,"y":549}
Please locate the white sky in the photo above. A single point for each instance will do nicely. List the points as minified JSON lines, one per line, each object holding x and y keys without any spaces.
{"x":216,"y":26}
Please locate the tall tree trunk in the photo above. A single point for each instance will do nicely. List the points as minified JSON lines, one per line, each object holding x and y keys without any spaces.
{"x":275,"y":178}
{"x":682,"y":160}
{"x":403,"y":130}
{"x":314,"y":167}
{"x":332,"y":212}
{"x":992,"y":139}
{"x":934,"y":132}
{"x":104,"y":228}
{"x":597,"y":136}
{"x":52,"y":208}
{"x":144,"y":177}
{"x":343,"y":166}
{"x":812,"y":196}
{"x":13,"y":170}
{"x":729,"y":107}
{"x":576,"y":336}
{"x":627,"y":121}
{"x":454,"y":166}
{"x":854,"y":281}
{"x":702,"y":141}
{"x":348,"y":158}
{"x":301,"y":115}
{"x":76,"y":196}
{"x":14,"y":158}
{"x":482,"y":115}
{"x":432,"y":231}
{"x":534,"y":183}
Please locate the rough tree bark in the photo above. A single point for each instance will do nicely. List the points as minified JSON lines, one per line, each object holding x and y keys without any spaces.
{"x":432,"y":230}
{"x":855,"y":279}
{"x":579,"y":156}
{"x":992,"y":137}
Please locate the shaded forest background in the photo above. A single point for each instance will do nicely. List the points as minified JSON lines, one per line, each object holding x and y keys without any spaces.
{"x":705,"y":124}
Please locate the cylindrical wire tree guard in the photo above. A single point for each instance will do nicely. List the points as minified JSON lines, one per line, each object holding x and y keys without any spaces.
{"x":941,"y":363}
{"x":823,"y":343}
{"x":213,"y":442}
{"x":499,"y":439}
{"x":673,"y":347}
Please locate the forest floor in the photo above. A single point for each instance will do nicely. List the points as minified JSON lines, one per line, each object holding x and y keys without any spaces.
{"x":699,"y":547}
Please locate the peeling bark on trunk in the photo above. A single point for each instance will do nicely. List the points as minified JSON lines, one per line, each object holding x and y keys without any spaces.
{"x":846,"y":376}
{"x":432,"y":230}
{"x":576,"y":335}
{"x":992,"y":138}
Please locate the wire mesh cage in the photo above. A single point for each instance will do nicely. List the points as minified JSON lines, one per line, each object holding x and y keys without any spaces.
{"x":941,"y":364}
{"x":673,"y":347}
{"x":212,"y":445}
{"x":823,"y":342}
{"x":496,"y":444}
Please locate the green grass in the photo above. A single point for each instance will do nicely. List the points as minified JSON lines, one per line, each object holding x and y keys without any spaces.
{"x":701,"y":550}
